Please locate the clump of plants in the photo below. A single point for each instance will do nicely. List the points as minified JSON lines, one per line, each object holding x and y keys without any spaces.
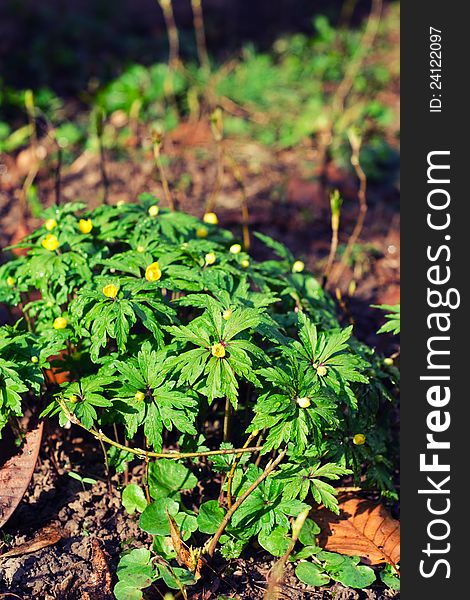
{"x":229,"y":378}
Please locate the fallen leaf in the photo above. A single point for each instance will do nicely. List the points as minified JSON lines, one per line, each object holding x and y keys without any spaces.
{"x":47,"y":536}
{"x":16,"y":473}
{"x":98,"y":586}
{"x":362,"y":528}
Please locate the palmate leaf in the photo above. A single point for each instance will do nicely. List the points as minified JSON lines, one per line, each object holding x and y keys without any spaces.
{"x":299,"y":479}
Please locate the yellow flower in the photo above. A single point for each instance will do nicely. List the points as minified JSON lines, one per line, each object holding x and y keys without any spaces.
{"x":50,"y":242}
{"x":139,"y":396}
{"x":227,"y":314}
{"x":154,"y":210}
{"x":153,"y":272}
{"x":245,"y":263}
{"x":34,"y":359}
{"x":110,"y":290}
{"x":322,"y":371}
{"x":73,"y":399}
{"x":255,"y":432}
{"x":298,"y":266}
{"x":304,"y":402}
{"x":202,"y":232}
{"x":210,"y":258}
{"x":235,"y":248}
{"x":140,"y":249}
{"x":359,"y":439}
{"x":60,"y":323}
{"x":210,"y":218}
{"x":218,"y":350}
{"x":50,"y":224}
{"x":120,"y":203}
{"x":85,"y":225}
{"x":388,"y":361}
{"x":11,"y":281}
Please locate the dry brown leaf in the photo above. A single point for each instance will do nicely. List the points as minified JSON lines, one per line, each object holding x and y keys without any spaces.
{"x":16,"y":473}
{"x":99,"y":584}
{"x":363,"y":528}
{"x":185,"y":558}
{"x":47,"y":536}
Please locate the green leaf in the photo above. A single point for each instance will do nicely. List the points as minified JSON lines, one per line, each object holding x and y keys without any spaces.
{"x":308,"y":533}
{"x":154,"y":519}
{"x":169,"y":476}
{"x":276,"y":542}
{"x":133,"y":498}
{"x":311,"y":574}
{"x":210,"y":516}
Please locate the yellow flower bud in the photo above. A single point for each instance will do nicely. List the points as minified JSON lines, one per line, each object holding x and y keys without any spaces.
{"x":34,"y":359}
{"x":304,"y":402}
{"x":139,"y":396}
{"x":210,"y":258}
{"x":50,"y":242}
{"x":227,"y":314}
{"x":245,"y":263}
{"x":60,"y":323}
{"x":218,"y":350}
{"x":140,"y":249}
{"x":359,"y":439}
{"x":210,"y":218}
{"x":73,"y":399}
{"x":298,"y":266}
{"x":11,"y":281}
{"x":85,"y":225}
{"x":322,"y":371}
{"x":154,"y":210}
{"x":201,"y":232}
{"x":235,"y":248}
{"x":388,"y":361}
{"x":120,"y":203}
{"x":255,"y":432}
{"x":153,"y":272}
{"x":110,"y":290}
{"x":50,"y":224}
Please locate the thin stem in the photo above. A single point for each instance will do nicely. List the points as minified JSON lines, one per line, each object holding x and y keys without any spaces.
{"x":172,"y":455}
{"x":233,"y":469}
{"x":267,"y":471}
{"x":106,"y":465}
{"x":228,"y":412}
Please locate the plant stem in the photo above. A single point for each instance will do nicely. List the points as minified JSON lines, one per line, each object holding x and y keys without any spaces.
{"x":245,"y":213}
{"x":227,"y":419}
{"x":268,"y":470}
{"x":232,"y":471}
{"x":277,"y":572}
{"x":171,"y":455}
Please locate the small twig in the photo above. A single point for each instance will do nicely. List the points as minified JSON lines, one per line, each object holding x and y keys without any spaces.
{"x":355,"y":142}
{"x":245,"y":213}
{"x":267,"y":471}
{"x":157,"y":145}
{"x":173,"y":43}
{"x":200,"y":34}
{"x":171,"y":454}
{"x":217,"y":132}
{"x":335,"y":202}
{"x":99,"y":134}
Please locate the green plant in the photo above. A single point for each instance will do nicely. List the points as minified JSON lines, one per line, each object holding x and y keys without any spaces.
{"x":392,"y":322}
{"x":162,"y":327}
